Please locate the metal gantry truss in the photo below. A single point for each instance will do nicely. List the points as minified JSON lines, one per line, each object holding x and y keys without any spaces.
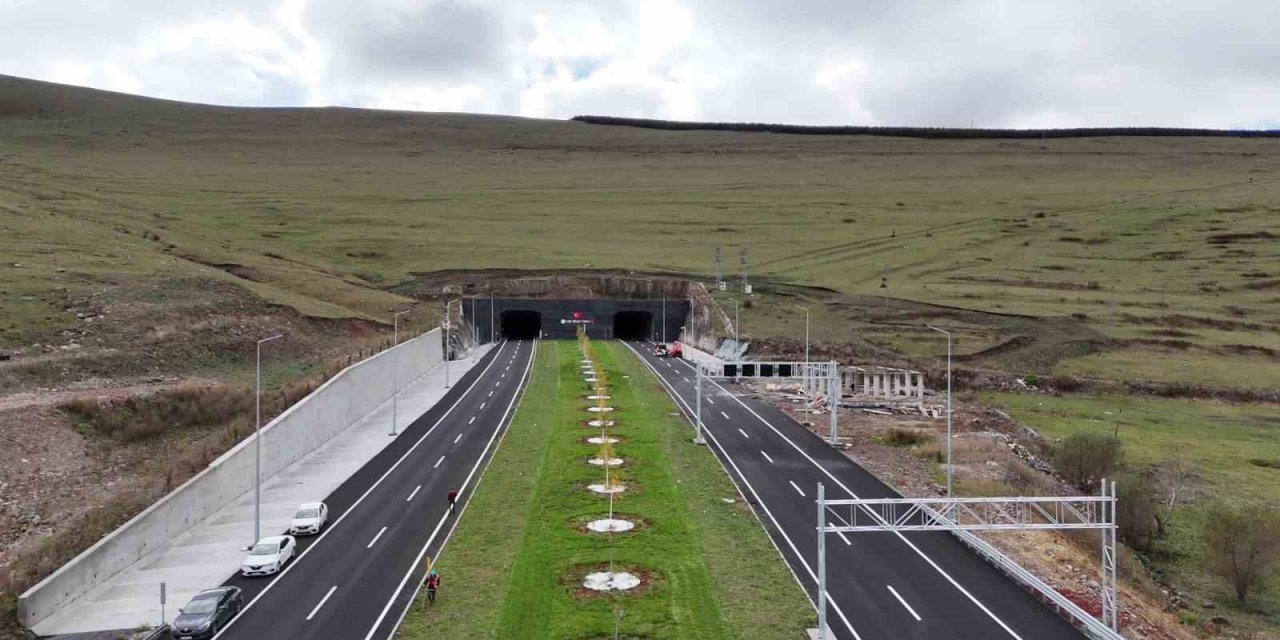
{"x":814,"y":376}
{"x":963,"y":515}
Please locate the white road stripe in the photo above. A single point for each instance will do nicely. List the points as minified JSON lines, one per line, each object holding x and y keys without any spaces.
{"x":726,"y":416}
{"x":437,"y":464}
{"x":711,"y":401}
{"x":898,"y":534}
{"x":490,"y":394}
{"x":744,"y":434}
{"x":455,"y":440}
{"x":482,"y":404}
{"x":375,"y":538}
{"x":521,"y":386}
{"x":686,"y":379}
{"x":846,"y":540}
{"x":766,"y":457}
{"x":724,"y":459}
{"x":322,"y":601}
{"x":415,"y":492}
{"x":329,"y":529}
{"x":904,"y":603}
{"x":796,"y":487}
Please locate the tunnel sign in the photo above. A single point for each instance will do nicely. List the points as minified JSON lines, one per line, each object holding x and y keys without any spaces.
{"x":578,"y":318}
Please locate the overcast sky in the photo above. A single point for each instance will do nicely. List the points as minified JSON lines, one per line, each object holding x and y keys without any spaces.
{"x":1014,"y":63}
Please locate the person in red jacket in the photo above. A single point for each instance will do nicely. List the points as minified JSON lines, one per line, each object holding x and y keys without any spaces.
{"x":433,"y":583}
{"x":453,"y":500}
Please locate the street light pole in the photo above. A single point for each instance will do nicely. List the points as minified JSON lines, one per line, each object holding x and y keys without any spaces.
{"x":395,"y":369}
{"x":664,"y":317}
{"x":805,"y":379}
{"x":948,"y":334}
{"x":257,"y":444}
{"x":446,"y":343}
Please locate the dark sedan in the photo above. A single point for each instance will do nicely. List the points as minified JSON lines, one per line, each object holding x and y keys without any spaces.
{"x":208,"y":612}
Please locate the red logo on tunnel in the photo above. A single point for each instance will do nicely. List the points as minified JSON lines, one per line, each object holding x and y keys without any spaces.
{"x":577,"y":315}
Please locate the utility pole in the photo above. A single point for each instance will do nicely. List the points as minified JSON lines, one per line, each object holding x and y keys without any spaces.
{"x":805,"y":378}
{"x":822,"y":562}
{"x":664,"y":317}
{"x":491,"y":325}
{"x":395,"y":368}
{"x":746,"y":283}
{"x":446,"y":342}
{"x":719,"y":271}
{"x":948,"y":334}
{"x":257,"y":444}
{"x":697,"y":438}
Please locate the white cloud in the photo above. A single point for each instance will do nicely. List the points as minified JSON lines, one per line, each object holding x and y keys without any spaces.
{"x":918,"y":62}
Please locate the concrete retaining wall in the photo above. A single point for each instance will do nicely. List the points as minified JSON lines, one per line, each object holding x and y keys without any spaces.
{"x":346,"y":398}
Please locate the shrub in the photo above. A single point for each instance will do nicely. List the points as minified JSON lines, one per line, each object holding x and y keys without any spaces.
{"x":142,"y":417}
{"x":1136,"y":512}
{"x":903,"y":437}
{"x":1242,"y":544}
{"x":1085,"y":458}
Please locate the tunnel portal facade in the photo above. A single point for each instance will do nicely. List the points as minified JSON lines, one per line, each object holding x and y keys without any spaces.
{"x":624,"y":319}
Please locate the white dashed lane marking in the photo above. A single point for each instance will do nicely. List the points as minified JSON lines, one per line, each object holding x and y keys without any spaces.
{"x":322,"y":601}
{"x":437,"y":464}
{"x":796,"y":487}
{"x":375,"y":538}
{"x":415,"y":492}
{"x":766,"y":457}
{"x":744,"y":434}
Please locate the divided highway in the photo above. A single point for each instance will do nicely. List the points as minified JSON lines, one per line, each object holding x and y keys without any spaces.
{"x":356,"y":579}
{"x":879,"y":585}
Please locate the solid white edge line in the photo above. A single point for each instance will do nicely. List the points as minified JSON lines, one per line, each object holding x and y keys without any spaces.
{"x":797,"y":488}
{"x":415,"y":492}
{"x":364,"y":495}
{"x":904,"y":602}
{"x":766,"y":457}
{"x":322,"y":601}
{"x":375,"y":538}
{"x":437,"y":464}
{"x":901,"y":537}
{"x":417,"y":561}
{"x":726,"y":458}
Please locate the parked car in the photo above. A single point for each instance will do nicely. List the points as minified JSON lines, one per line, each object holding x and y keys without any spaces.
{"x":309,"y":519}
{"x":269,"y":556}
{"x":660,"y":350}
{"x":207,"y":613}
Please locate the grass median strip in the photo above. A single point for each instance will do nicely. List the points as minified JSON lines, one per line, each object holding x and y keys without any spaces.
{"x":514,"y":567}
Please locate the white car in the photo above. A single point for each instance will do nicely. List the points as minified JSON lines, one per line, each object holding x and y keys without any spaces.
{"x":309,"y":519}
{"x":269,"y":556}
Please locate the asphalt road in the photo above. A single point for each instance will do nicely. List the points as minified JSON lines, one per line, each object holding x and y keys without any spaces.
{"x":879,"y":585}
{"x":357,"y":578}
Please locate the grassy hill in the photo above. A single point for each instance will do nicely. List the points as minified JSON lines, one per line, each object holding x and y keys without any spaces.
{"x":132,"y":227}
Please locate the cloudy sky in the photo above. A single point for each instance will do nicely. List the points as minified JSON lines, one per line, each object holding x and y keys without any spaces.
{"x":1017,"y":63}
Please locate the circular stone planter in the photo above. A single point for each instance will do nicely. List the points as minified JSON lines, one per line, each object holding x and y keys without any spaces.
{"x":599,"y":397}
{"x":603,"y":490}
{"x":615,"y":581}
{"x":599,"y":440}
{"x":600,"y":409}
{"x":613,"y":462}
{"x":610,"y":525}
{"x":600,"y":423}
{"x":591,"y":380}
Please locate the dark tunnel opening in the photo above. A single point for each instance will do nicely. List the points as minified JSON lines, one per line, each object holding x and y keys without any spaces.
{"x":521,"y":324}
{"x":632,"y":325}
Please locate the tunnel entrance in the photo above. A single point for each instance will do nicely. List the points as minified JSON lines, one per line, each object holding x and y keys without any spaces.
{"x":632,"y":325}
{"x":520,"y":324}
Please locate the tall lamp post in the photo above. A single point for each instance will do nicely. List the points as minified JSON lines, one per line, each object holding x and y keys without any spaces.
{"x":948,"y":334}
{"x":446,"y":341}
{"x":805,"y":379}
{"x":257,"y":444}
{"x":395,"y":368}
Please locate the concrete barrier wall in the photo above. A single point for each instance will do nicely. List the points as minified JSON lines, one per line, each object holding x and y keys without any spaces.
{"x":346,"y":398}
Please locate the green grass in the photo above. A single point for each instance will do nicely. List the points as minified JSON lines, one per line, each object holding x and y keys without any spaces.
{"x":1218,"y":441}
{"x":324,"y":209}
{"x":714,"y":572}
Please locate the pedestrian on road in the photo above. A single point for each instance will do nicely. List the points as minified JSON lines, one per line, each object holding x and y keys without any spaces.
{"x":433,"y":583}
{"x":453,"y":500}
